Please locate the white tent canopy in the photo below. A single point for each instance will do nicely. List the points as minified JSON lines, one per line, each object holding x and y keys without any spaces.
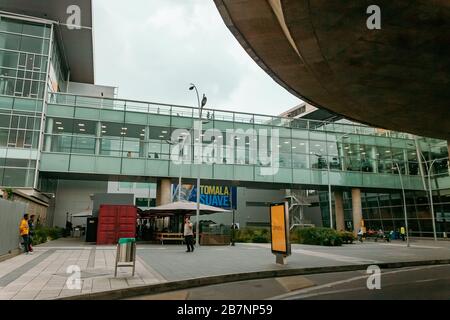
{"x":82,"y":214}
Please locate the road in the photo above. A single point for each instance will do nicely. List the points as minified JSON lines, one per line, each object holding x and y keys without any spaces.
{"x":417,"y":283}
{"x":425,"y":282}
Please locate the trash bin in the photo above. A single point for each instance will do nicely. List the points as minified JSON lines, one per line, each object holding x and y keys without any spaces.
{"x":127,"y":248}
{"x":126,"y":254}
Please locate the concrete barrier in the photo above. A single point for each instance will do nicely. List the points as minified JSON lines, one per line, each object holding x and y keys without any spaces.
{"x":10,"y":215}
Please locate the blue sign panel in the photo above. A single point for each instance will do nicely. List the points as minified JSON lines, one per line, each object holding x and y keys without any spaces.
{"x":224,"y":197}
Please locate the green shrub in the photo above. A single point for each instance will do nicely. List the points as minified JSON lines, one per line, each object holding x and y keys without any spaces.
{"x":43,"y":234}
{"x":261,"y":236}
{"x":252,"y":235}
{"x":318,"y":236}
{"x":347,"y":237}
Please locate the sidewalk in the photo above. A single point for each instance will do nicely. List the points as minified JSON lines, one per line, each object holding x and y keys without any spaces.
{"x":43,"y":275}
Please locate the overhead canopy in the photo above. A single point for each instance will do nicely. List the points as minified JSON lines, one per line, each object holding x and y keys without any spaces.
{"x":185,"y":207}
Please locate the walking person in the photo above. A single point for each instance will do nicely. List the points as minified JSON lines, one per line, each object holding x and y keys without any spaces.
{"x":402,"y":233}
{"x":31,"y":226}
{"x":188,"y":234}
{"x":24,"y":232}
{"x":360,"y":235}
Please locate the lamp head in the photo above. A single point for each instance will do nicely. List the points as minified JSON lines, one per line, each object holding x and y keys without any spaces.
{"x":192,"y":87}
{"x":204,"y":100}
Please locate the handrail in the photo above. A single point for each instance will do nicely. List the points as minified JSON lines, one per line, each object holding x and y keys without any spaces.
{"x":234,"y":116}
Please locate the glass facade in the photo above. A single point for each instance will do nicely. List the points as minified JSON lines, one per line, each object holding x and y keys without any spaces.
{"x":136,"y":130}
{"x":24,"y":49}
{"x":25,"y":75}
{"x":386,"y":211}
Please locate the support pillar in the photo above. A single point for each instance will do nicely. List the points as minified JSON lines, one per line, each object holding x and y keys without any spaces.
{"x":374,"y":159}
{"x":448,"y":150}
{"x":356,"y":209}
{"x":98,"y":137}
{"x":163,"y":192}
{"x":48,"y":137}
{"x":339,"y":210}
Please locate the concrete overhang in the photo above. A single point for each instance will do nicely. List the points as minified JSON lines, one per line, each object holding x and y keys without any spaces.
{"x":396,"y":78}
{"x":77,"y":44}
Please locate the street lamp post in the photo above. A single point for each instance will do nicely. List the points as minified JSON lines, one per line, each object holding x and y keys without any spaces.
{"x":404,"y":203}
{"x":329,"y":191}
{"x":197,"y":215}
{"x":181,"y":165}
{"x":430,"y":190}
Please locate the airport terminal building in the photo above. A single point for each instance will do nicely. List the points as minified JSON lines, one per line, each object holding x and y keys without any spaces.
{"x":64,"y":138}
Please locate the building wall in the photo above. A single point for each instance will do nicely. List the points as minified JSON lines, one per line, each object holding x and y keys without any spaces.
{"x":73,"y":196}
{"x":252,"y":208}
{"x":32,"y":208}
{"x":85,"y":89}
{"x":11,"y":214}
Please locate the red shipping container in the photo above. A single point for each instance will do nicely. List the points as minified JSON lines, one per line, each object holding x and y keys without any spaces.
{"x":114,"y":222}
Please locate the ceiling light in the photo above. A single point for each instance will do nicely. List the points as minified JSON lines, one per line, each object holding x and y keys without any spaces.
{"x":142,"y":135}
{"x":388,"y":151}
{"x":317,"y":145}
{"x":286,"y":142}
{"x":82,"y":130}
{"x":124,"y":128}
{"x":58,"y":122}
{"x":123,"y":133}
{"x":103,"y":131}
{"x":294,"y":147}
{"x":164,"y":131}
{"x":60,"y":128}
{"x":302,"y":143}
{"x":103,"y":127}
{"x":81,"y":124}
{"x":161,"y":136}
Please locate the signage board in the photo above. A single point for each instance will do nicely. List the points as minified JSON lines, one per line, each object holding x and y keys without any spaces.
{"x":224,"y":197}
{"x":279,"y":226}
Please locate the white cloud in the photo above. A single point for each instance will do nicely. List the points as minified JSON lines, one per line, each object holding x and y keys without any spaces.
{"x":153,"y":49}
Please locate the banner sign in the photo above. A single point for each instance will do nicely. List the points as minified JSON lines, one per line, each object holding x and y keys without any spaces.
{"x":224,"y":197}
{"x":279,"y":225}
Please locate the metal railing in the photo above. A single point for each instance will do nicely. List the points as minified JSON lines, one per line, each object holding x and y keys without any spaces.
{"x":217,"y":115}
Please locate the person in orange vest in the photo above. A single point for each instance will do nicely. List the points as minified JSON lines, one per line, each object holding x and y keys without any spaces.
{"x":24,"y":229}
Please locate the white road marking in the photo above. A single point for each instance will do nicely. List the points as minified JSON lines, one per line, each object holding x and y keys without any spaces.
{"x":331,"y":284}
{"x":412,"y":246}
{"x":334,"y":257}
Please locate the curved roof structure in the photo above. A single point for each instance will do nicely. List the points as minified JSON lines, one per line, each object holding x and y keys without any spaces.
{"x":397,"y":77}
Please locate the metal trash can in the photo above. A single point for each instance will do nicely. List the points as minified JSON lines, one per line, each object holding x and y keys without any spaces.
{"x":126,"y":251}
{"x":126,"y":254}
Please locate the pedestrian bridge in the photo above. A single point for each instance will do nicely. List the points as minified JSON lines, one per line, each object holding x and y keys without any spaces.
{"x":102,"y":138}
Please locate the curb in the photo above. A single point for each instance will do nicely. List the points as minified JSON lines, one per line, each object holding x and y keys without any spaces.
{"x":207,"y":281}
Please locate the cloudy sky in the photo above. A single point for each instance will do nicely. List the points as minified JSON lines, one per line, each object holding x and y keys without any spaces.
{"x":153,"y":49}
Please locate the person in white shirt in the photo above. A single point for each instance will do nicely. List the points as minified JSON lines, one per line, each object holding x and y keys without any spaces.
{"x":188,"y":234}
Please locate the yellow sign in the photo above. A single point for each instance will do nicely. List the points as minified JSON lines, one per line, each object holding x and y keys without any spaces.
{"x":279,"y":229}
